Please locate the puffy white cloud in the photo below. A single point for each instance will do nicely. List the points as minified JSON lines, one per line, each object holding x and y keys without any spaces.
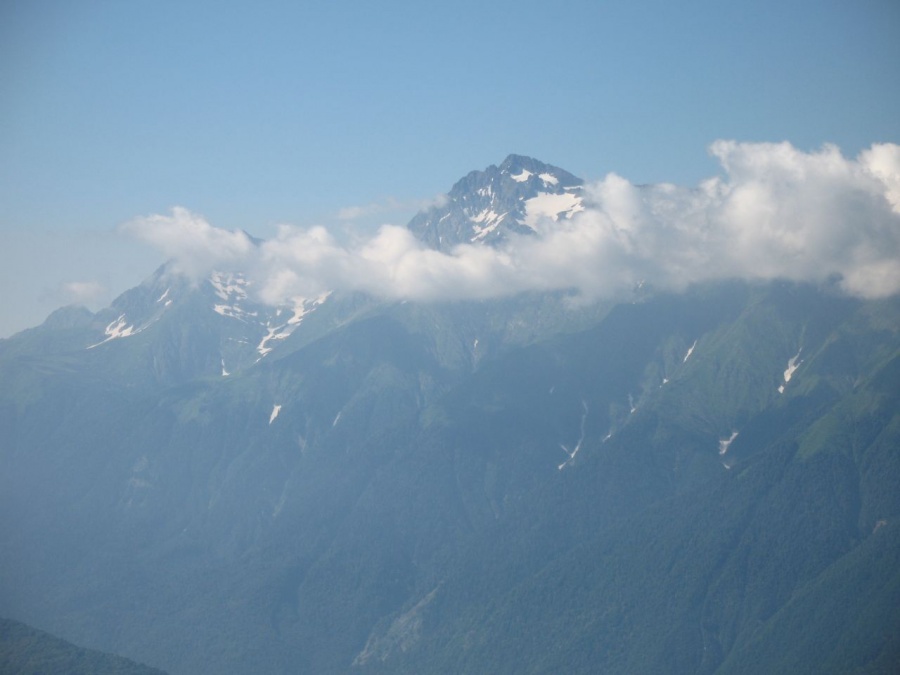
{"x":882,"y":162}
{"x":783,"y":213}
{"x":392,"y":263}
{"x":775,"y":212}
{"x":194,"y":246}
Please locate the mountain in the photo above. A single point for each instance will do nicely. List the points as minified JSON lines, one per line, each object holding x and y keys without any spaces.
{"x":169,"y":331}
{"x":27,"y":651}
{"x":487,"y":206}
{"x":700,"y":482}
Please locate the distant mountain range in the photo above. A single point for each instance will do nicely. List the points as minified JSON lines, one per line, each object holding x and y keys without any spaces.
{"x":701,"y":482}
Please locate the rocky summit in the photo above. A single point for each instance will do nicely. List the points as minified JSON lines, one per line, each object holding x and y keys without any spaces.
{"x":488,"y":206}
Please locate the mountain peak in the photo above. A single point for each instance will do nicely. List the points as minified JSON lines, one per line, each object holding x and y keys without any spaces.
{"x":487,"y":206}
{"x":513,"y":162}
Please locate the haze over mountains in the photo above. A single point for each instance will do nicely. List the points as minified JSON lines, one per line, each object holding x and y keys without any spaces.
{"x":548,"y":427}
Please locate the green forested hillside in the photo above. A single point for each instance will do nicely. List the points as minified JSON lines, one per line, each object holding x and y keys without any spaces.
{"x":694,"y":483}
{"x":27,"y":651}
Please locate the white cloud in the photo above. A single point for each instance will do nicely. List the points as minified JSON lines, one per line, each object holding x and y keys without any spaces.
{"x":881,"y":161}
{"x":776,"y":212}
{"x":194,"y":246}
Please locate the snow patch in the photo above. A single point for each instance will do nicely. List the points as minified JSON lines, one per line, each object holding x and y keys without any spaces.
{"x":233,"y":312}
{"x":225,"y":373}
{"x":549,"y":178}
{"x":522,"y":177}
{"x":275,"y":410}
{"x":792,"y":365}
{"x":229,"y":286}
{"x":573,"y":452}
{"x":487,"y":215}
{"x":302,"y":307}
{"x":689,"y":352}
{"x":724,"y":443}
{"x":552,"y":206}
{"x":336,"y":419}
{"x":275,"y":333}
{"x":163,"y":296}
{"x":117,"y":329}
{"x":491,"y":220}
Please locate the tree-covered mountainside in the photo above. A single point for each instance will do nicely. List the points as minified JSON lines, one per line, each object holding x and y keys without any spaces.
{"x":27,"y":651}
{"x":457,"y":488}
{"x":695,"y":482}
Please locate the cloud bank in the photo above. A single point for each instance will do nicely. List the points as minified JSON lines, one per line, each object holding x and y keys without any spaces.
{"x":775,"y":213}
{"x":193,"y":245}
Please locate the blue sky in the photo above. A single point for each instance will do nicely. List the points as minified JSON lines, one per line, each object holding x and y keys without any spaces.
{"x":255,"y":114}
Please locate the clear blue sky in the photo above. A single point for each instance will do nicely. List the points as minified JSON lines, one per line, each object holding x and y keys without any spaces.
{"x":257,"y":113}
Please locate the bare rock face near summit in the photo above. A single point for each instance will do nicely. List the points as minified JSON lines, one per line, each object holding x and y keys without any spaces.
{"x":486,"y":206}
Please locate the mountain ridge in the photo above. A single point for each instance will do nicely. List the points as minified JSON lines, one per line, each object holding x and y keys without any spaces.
{"x":26,"y":651}
{"x":516,"y":485}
